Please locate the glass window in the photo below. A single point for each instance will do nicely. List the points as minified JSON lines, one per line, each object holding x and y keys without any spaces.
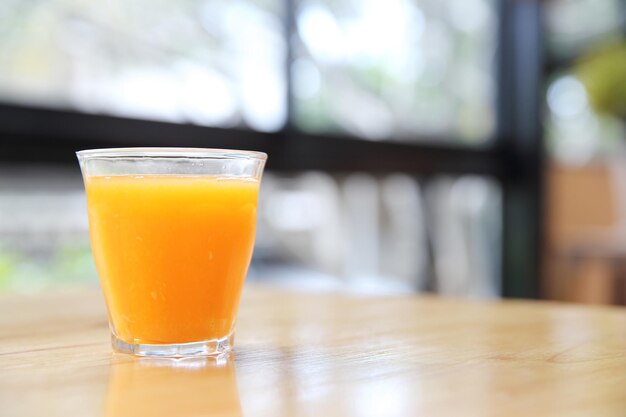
{"x":380,"y":233}
{"x":359,"y":232}
{"x":396,"y":69}
{"x":209,"y":62}
{"x":577,"y":30}
{"x":44,"y":239}
{"x":573,"y":25}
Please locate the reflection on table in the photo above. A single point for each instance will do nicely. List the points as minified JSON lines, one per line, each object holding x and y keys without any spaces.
{"x":172,"y":387}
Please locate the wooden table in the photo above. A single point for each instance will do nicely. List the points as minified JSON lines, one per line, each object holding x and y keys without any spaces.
{"x":324,"y":355}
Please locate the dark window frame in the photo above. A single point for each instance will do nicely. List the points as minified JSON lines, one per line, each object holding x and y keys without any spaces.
{"x":514,"y":157}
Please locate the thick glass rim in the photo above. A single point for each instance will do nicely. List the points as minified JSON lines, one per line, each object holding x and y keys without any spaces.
{"x":186,"y":153}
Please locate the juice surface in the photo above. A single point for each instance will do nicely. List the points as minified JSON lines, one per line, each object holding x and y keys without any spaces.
{"x":172,"y":253}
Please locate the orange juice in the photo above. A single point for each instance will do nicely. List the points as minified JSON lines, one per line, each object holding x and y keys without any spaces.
{"x":172,"y":253}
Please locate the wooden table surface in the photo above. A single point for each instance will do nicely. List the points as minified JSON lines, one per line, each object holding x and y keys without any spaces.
{"x":324,"y":355}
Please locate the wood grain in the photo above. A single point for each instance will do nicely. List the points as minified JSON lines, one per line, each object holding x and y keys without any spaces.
{"x":303,"y":354}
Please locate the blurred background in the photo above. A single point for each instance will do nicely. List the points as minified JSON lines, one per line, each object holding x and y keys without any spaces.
{"x":472,"y":148}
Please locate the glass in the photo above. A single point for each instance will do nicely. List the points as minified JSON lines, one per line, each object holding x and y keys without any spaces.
{"x":43,"y":249}
{"x":570,"y":30}
{"x":360,"y":232}
{"x":172,"y":233}
{"x":576,"y":132}
{"x":380,"y":234}
{"x":398,"y":70}
{"x":207,"y":62}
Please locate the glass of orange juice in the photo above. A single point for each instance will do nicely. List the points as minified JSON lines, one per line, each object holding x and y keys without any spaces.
{"x":172,"y":232}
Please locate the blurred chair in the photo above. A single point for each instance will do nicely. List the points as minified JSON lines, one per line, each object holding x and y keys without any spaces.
{"x":593,"y":251}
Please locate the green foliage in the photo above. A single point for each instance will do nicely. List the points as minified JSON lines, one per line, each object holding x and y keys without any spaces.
{"x":603,"y":72}
{"x":73,"y":264}
{"x":8,"y":262}
{"x":67,"y":265}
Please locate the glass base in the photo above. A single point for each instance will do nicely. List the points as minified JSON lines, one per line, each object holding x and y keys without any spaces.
{"x":214,"y":347}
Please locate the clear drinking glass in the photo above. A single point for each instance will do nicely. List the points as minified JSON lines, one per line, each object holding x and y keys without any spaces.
{"x":172,"y":232}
